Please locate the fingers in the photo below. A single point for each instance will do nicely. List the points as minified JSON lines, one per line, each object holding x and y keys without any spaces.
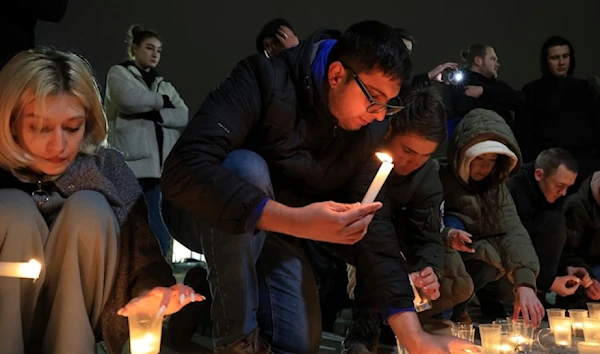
{"x":569,"y":291}
{"x":166,"y":299}
{"x":357,"y":213}
{"x":357,"y":230}
{"x":525,"y":313}
{"x":593,"y":292}
{"x":516,"y":311}
{"x":341,"y":207}
{"x":432,"y":291}
{"x":587,"y":281}
{"x":539,"y":313}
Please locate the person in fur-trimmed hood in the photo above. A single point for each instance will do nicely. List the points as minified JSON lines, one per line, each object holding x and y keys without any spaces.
{"x":482,"y":154}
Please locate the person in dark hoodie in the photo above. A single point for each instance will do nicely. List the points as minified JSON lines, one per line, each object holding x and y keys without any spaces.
{"x":480,"y":87}
{"x":424,"y":79}
{"x":538,"y":190}
{"x":582,"y":248}
{"x":19,"y":19}
{"x":416,"y":195}
{"x":254,"y":176}
{"x":560,"y":110}
{"x":275,"y":37}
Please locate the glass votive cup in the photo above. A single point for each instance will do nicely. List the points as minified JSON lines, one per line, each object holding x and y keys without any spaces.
{"x":554,"y":313}
{"x":562,"y":332}
{"x":522,"y":336}
{"x":145,"y":332}
{"x":578,"y":317}
{"x":591,"y":329}
{"x":594,"y":309}
{"x":463,"y":330}
{"x":490,"y":336}
{"x":586,"y":347}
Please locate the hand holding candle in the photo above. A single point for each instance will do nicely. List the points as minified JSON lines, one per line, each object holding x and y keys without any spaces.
{"x":380,"y":177}
{"x":30,"y":269}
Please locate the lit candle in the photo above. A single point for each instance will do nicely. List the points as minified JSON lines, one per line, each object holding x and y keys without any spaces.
{"x":578,"y":329}
{"x":588,"y":347}
{"x":30,"y":269}
{"x":562,"y":333}
{"x":417,"y":301}
{"x":505,"y":349}
{"x":518,"y":339}
{"x":147,"y":344}
{"x":380,"y":177}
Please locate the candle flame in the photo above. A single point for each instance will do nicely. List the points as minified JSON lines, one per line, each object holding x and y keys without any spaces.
{"x":35,"y":268}
{"x":384,"y":157}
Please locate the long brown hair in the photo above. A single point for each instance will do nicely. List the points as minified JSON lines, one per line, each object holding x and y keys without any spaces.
{"x":491,"y":196}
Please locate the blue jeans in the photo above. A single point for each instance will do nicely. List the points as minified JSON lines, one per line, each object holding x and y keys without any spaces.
{"x":258,"y":280}
{"x":153,"y":198}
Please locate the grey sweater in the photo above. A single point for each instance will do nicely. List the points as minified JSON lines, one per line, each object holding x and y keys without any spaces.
{"x":140,"y":265}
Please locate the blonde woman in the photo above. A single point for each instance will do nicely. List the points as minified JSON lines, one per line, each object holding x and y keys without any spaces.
{"x":146,"y":116}
{"x":77,"y":208}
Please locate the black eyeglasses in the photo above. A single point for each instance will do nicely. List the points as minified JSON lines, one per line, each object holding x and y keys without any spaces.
{"x":375,"y":107}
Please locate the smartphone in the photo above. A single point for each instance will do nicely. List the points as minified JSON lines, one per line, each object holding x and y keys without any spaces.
{"x":452,"y":77}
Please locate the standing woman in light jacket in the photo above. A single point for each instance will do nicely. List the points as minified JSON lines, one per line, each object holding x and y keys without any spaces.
{"x":146,"y":116}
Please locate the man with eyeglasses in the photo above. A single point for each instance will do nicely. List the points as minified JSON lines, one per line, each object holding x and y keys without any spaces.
{"x":254,"y":178}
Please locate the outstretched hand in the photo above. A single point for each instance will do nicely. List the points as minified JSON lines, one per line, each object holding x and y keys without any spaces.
{"x":162,"y":301}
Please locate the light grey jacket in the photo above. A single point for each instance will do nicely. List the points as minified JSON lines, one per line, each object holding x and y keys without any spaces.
{"x":127,"y":95}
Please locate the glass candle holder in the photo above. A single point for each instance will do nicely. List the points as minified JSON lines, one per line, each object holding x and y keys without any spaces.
{"x":578,"y":317}
{"x":490,"y":336}
{"x":588,"y":347}
{"x":145,"y":332}
{"x":463,"y":330}
{"x":591,"y":329}
{"x":562,"y":332}
{"x":594,"y":309}
{"x":554,"y":313}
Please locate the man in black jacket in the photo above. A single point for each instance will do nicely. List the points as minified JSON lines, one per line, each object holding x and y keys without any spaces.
{"x":538,"y":190}
{"x":416,"y":195}
{"x":480,"y":87}
{"x":253,"y":176}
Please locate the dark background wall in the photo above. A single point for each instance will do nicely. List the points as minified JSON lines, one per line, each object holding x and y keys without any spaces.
{"x":204,"y":39}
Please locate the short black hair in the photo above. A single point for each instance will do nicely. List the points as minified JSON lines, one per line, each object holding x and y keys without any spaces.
{"x":372,"y":45}
{"x":553,"y":42}
{"x":403,"y":34}
{"x":549,"y":160}
{"x":270,"y":30}
{"x":474,"y":51}
{"x":424,"y":115}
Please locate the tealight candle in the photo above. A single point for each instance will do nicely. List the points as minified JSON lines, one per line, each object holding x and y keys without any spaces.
{"x":562,"y":331}
{"x":145,"y":331}
{"x":588,"y":347}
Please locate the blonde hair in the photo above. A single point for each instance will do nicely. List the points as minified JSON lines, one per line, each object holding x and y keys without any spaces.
{"x":44,"y":73}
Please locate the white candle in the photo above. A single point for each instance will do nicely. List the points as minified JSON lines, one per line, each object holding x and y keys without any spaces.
{"x":380,"y":177}
{"x":148,"y":344}
{"x":30,"y":269}
{"x":417,"y":299}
